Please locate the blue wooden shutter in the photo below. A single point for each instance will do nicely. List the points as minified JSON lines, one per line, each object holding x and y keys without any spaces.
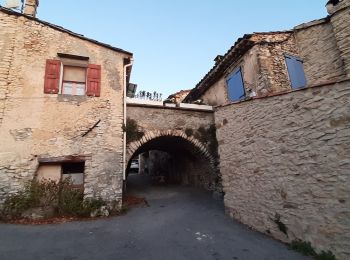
{"x":296,"y":72}
{"x":235,"y":86}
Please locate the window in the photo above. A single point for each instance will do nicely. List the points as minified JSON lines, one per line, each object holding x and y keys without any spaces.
{"x":295,"y":72}
{"x":57,"y":171}
{"x":74,"y":171}
{"x":51,"y":172}
{"x":131,"y":90}
{"x":75,"y":80}
{"x":235,"y":86}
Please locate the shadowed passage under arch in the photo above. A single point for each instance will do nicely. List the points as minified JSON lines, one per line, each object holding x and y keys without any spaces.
{"x":175,"y":157}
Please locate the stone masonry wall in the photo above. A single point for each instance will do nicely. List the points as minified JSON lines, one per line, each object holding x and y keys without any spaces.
{"x":273,"y":73}
{"x":341,"y":27}
{"x":150,"y":118}
{"x":263,"y":67}
{"x":319,"y":51}
{"x":187,"y":166}
{"x":6,"y":56}
{"x":217,"y":94}
{"x":35,"y":125}
{"x":288,"y":155}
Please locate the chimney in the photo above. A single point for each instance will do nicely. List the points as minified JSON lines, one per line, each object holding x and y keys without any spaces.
{"x":334,"y":6}
{"x":218,"y":59}
{"x":30,"y":7}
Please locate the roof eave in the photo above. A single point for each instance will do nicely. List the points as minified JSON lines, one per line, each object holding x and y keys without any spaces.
{"x":241,"y":46}
{"x":59,"y":28}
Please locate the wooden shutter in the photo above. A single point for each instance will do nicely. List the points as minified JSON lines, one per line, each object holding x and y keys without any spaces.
{"x":52,"y":76}
{"x":235,"y":86}
{"x":296,"y":72}
{"x":93,"y":80}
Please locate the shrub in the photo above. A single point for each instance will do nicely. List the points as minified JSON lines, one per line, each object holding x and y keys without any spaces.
{"x":189,"y":132}
{"x":132,"y":131}
{"x":207,"y":136}
{"x":325,"y":256}
{"x":35,"y":194}
{"x":306,"y":248}
{"x":63,"y":197}
{"x":303,"y":247}
{"x":14,"y":205}
{"x":71,"y":202}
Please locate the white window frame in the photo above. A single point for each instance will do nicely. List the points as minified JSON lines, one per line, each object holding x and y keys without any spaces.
{"x":72,"y":63}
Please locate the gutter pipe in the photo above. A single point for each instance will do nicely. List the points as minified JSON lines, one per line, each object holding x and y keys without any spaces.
{"x":124,"y":117}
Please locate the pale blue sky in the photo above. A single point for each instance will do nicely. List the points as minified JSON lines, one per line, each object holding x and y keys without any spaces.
{"x":174,"y":42}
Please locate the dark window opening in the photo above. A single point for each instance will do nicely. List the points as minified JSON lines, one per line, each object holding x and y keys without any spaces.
{"x":131,"y":90}
{"x":74,"y":171}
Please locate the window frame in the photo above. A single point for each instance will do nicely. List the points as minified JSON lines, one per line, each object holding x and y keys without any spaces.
{"x":53,"y":76}
{"x":228,"y":77}
{"x":64,"y":164}
{"x":296,"y":58}
{"x":72,"y":64}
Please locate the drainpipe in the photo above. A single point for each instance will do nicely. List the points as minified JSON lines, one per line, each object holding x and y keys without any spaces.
{"x":124,"y":118}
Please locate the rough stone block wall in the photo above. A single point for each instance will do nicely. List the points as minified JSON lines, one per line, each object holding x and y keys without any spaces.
{"x":319,"y":51}
{"x":7,"y":37}
{"x":217,"y":94}
{"x":273,"y":73}
{"x":35,"y":125}
{"x":341,"y":27}
{"x":149,"y":118}
{"x":288,"y":155}
{"x":263,"y":67}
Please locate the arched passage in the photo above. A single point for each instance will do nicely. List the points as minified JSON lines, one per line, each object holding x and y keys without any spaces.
{"x":187,"y":160}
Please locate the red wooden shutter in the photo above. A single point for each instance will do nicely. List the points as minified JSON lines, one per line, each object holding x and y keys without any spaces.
{"x":52,"y":76}
{"x":93,"y":80}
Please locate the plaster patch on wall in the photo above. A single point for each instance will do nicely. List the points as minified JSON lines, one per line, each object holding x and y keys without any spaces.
{"x":21,"y":134}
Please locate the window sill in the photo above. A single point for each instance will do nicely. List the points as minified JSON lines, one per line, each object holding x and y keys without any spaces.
{"x":71,"y":98}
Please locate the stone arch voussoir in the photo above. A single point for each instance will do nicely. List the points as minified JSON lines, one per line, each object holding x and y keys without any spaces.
{"x":150,"y":135}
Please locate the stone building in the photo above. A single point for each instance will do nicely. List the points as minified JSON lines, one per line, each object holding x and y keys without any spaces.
{"x":61,"y":106}
{"x":179,"y":96}
{"x":283,"y":127}
{"x":264,"y":64}
{"x":281,"y":112}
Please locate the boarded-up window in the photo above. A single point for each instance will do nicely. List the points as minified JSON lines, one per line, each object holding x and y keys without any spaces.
{"x":74,"y":81}
{"x":295,"y":72}
{"x":235,"y":86}
{"x":49,"y":172}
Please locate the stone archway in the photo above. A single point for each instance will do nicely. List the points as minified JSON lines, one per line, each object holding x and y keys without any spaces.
{"x":150,"y":135}
{"x":193,"y":163}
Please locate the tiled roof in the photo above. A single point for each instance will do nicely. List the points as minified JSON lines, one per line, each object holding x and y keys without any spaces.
{"x":59,"y":28}
{"x":181,"y":92}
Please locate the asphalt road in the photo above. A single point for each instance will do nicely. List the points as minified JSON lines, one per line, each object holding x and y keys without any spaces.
{"x":180,"y":223}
